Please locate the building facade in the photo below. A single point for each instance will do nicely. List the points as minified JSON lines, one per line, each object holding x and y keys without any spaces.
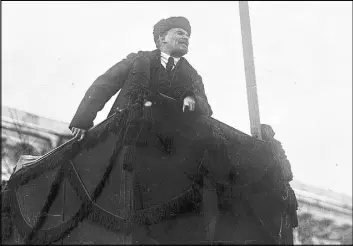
{"x":23,"y":133}
{"x":324,"y":217}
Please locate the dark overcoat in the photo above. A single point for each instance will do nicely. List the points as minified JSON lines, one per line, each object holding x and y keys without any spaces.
{"x":119,"y":77}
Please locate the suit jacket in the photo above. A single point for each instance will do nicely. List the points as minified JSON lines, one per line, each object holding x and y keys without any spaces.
{"x":119,"y":77}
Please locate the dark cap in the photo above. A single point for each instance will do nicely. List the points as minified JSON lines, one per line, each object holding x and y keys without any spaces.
{"x":173,"y":22}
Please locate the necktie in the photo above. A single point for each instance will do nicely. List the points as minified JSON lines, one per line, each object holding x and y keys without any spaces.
{"x":170,"y":66}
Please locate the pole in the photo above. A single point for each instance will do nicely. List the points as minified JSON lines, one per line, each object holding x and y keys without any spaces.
{"x":249,"y":66}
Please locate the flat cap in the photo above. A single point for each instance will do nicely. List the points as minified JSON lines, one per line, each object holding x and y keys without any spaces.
{"x":173,"y":22}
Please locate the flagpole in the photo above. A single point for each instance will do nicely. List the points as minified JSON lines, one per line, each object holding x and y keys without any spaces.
{"x":249,"y":66}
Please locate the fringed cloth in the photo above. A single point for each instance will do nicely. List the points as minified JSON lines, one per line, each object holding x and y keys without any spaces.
{"x":59,"y":158}
{"x":129,"y":123}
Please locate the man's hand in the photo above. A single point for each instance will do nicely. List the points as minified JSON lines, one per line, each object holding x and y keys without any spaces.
{"x":78,"y":133}
{"x":189,"y":102}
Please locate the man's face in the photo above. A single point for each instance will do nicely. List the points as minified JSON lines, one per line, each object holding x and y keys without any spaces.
{"x":175,"y":42}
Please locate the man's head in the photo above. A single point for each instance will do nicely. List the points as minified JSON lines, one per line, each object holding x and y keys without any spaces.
{"x":172,"y":35}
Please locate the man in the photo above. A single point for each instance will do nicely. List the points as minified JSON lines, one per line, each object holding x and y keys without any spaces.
{"x":170,"y":75}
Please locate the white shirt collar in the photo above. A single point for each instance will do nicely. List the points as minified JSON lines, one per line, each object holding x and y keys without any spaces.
{"x":165,"y":57}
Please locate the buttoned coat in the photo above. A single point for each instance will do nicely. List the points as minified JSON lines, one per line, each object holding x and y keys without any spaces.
{"x":119,"y":78}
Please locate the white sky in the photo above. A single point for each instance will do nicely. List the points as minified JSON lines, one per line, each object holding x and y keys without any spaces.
{"x":53,"y":51}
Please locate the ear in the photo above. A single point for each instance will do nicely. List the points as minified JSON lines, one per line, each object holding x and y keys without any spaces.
{"x":161,"y":39}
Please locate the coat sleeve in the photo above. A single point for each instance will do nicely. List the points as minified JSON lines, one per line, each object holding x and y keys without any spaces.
{"x":198,"y":92}
{"x":102,"y":89}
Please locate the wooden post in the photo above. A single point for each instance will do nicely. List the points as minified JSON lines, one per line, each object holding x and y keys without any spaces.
{"x":249,"y":66}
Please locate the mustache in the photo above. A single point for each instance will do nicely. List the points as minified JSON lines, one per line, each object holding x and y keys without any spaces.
{"x":183,"y":41}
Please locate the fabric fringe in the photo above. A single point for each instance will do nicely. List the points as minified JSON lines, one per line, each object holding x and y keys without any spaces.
{"x":98,"y":190}
{"x":234,"y":192}
{"x":216,"y":131}
{"x":131,"y":133}
{"x":112,"y":126}
{"x":136,"y":97}
{"x":110,"y":222}
{"x":68,"y":151}
{"x":135,"y":113}
{"x":76,"y":185}
{"x":168,"y":210}
{"x":165,"y":143}
{"x":289,"y":198}
{"x":129,"y":158}
{"x":147,"y":118}
{"x":147,"y":114}
{"x":291,"y":205}
{"x":126,"y":122}
{"x":6,"y":215}
{"x":88,"y":208}
{"x":30,"y":173}
{"x":24,"y":229}
{"x":277,"y":151}
{"x":48,"y":236}
{"x":281,"y":160}
{"x":47,"y":205}
{"x":82,"y":213}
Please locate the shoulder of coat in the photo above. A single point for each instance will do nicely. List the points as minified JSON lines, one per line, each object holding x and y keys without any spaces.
{"x":144,"y":53}
{"x":191,"y":68}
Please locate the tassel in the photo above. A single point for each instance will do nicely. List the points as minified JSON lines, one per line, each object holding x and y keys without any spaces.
{"x":147,"y":116}
{"x":136,"y":98}
{"x":131,"y":134}
{"x":135,"y":112}
{"x":129,"y":157}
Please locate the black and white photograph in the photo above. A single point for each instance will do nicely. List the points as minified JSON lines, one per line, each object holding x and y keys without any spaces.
{"x":176,"y":122}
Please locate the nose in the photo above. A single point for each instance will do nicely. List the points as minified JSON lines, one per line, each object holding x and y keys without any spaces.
{"x":184,"y":35}
{"x":185,"y":38}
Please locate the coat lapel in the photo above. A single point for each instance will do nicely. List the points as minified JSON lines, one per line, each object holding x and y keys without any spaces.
{"x":155,"y":59}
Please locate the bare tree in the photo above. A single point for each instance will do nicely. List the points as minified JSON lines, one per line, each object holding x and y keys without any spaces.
{"x":26,"y":144}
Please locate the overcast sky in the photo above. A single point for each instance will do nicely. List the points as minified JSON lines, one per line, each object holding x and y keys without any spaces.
{"x":53,"y":51}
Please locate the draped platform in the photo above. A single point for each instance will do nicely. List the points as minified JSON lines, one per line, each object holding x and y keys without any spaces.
{"x":148,"y":176}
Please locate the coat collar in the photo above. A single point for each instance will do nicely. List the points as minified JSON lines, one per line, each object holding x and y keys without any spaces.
{"x":156,"y":55}
{"x":156,"y":60}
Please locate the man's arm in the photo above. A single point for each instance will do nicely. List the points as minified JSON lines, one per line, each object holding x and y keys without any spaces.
{"x":102,"y":89}
{"x":202,"y":104}
{"x":198,"y":93}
